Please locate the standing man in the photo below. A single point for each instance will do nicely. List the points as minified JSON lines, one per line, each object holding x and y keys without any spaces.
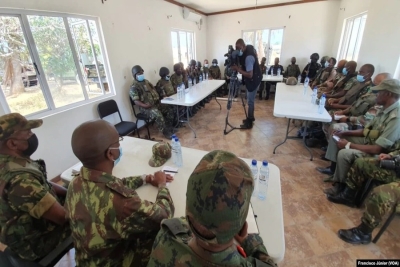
{"x":293,"y":69}
{"x":111,"y":225}
{"x":32,"y":217}
{"x":251,"y":73}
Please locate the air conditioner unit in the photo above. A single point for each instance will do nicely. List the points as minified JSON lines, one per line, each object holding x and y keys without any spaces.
{"x":190,"y":15}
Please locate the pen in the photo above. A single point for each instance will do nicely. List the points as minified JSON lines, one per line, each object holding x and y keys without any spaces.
{"x":170,"y":171}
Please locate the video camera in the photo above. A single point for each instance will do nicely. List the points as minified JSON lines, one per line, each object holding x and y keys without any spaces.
{"x":392,"y":164}
{"x":232,"y":57}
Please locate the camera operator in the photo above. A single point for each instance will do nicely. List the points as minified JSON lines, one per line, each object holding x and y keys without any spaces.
{"x":251,"y":75}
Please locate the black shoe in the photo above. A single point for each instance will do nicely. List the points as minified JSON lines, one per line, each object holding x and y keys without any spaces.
{"x":247,"y":124}
{"x":324,"y":148}
{"x":356,"y":235}
{"x":252,"y":120}
{"x":323,"y":157}
{"x":346,"y":197}
{"x":325,"y":171}
{"x":336,"y":189}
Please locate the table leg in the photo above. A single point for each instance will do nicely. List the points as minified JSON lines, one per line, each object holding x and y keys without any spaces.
{"x":286,"y":137}
{"x":304,"y":140}
{"x":178,"y":117}
{"x":188,"y":122}
{"x":215,"y":95}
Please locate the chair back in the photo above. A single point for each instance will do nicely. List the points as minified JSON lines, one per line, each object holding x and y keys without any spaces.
{"x":133,"y":106}
{"x":107,"y":108}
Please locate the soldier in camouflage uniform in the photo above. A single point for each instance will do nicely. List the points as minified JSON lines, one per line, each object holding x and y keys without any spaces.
{"x":217,"y":202}
{"x":111,"y":225}
{"x":293,"y":69}
{"x":329,"y":85}
{"x":215,"y":71}
{"x":164,"y":86}
{"x":344,"y":84}
{"x":192,"y":72}
{"x":383,"y":200}
{"x":184,"y":74}
{"x":146,"y":97}
{"x":206,"y":67}
{"x":177,"y":77}
{"x":32,"y":218}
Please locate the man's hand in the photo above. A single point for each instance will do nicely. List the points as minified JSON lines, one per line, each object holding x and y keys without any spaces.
{"x":342,"y":143}
{"x":339,"y":134}
{"x":329,"y":85}
{"x":242,"y":235}
{"x":344,"y":119}
{"x":339,"y":112}
{"x":235,"y":68}
{"x":169,"y":178}
{"x":159,"y":179}
{"x":384,"y":156}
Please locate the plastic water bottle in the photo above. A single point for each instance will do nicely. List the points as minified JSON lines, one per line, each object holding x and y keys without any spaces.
{"x":254,"y":171}
{"x":314,"y":95}
{"x":299,"y":79}
{"x":306,"y":82}
{"x":178,"y":148}
{"x":173,"y":149}
{"x":200,"y":78}
{"x":194,"y":81}
{"x":322,"y":101}
{"x":279,"y":72}
{"x":263,"y":181}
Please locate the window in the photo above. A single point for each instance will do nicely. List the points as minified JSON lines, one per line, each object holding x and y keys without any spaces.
{"x":267,"y":42}
{"x":183,"y":48}
{"x":50,"y":62}
{"x":352,"y":34}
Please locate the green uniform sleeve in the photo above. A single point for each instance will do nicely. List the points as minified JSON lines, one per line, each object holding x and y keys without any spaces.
{"x":133,"y":182}
{"x":390,"y":134}
{"x":145,"y":216}
{"x":255,"y":249}
{"x":134,"y":94}
{"x":352,"y":82}
{"x":27,"y":194}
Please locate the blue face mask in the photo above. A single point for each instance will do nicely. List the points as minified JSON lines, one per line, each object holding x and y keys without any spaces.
{"x":140,"y":77}
{"x":116,"y":161}
{"x":240,"y":53}
{"x":344,"y":71}
{"x":167,"y":78}
{"x":360,"y":78}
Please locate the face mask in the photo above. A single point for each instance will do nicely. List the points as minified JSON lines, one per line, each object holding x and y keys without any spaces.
{"x":369,"y":117}
{"x":167,"y":78}
{"x":206,"y":65}
{"x":326,"y":64}
{"x":116,"y":161}
{"x":360,"y":78}
{"x":33,"y":144}
{"x":215,"y":64}
{"x":344,"y":71}
{"x":240,"y":53}
{"x":140,"y":77}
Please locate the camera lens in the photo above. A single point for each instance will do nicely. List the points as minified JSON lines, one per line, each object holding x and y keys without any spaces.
{"x":388,"y":164}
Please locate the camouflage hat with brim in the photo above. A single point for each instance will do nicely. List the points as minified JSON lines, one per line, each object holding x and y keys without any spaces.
{"x":390,"y":85}
{"x":13,"y":122}
{"x":161,"y":153}
{"x":291,"y":81}
{"x":218,"y":195}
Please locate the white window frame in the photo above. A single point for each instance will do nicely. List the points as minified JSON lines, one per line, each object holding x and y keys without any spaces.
{"x":187,"y":47}
{"x":345,"y":37}
{"x":51,"y":109}
{"x":269,"y":38}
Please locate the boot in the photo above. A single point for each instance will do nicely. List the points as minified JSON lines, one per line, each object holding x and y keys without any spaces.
{"x":361,"y":234}
{"x":252,"y":120}
{"x":346,"y":197}
{"x":248,"y":124}
{"x":336,"y":189}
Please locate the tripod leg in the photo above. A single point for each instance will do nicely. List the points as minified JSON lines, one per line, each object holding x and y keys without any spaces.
{"x":286,"y":137}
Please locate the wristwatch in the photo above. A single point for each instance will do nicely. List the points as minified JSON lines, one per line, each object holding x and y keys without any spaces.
{"x":348,"y":145}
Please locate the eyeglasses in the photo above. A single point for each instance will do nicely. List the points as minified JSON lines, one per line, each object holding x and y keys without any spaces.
{"x":119,"y":140}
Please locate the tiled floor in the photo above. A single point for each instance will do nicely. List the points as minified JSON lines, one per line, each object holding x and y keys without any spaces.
{"x":311,"y":222}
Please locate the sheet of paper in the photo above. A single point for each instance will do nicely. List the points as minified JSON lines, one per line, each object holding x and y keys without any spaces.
{"x":77,"y":168}
{"x":169,"y":168}
{"x":338,"y":117}
{"x":251,"y":222}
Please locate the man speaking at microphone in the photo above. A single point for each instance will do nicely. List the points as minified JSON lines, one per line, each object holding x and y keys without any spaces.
{"x":251,"y":75}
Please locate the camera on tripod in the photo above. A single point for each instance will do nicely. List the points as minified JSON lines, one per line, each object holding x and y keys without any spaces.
{"x":232,"y":57}
{"x":392,"y":164}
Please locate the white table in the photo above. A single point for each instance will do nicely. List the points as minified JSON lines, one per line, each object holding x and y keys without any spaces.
{"x":134,"y":161}
{"x":193,"y":96}
{"x":266,"y":78}
{"x":292,"y":104}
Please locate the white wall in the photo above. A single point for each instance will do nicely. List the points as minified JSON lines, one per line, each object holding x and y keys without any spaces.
{"x":125,"y":25}
{"x":310,"y":28}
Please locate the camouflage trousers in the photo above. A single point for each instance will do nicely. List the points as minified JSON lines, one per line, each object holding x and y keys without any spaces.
{"x":364,"y":169}
{"x":383,"y":200}
{"x":162,"y":114}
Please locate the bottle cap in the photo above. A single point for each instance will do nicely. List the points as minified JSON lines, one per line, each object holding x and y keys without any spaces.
{"x":323,"y":95}
{"x":176,"y":139}
{"x":173,"y":136}
{"x":265,"y":163}
{"x":254,"y":162}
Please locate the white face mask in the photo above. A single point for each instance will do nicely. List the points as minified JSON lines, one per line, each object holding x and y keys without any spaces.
{"x":326,"y":64}
{"x":215,"y":64}
{"x":206,"y":65}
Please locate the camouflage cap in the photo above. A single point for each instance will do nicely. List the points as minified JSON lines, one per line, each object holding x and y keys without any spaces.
{"x":218,"y":195}
{"x":291,"y":81}
{"x":13,"y":122}
{"x":391,"y":85}
{"x":161,"y":153}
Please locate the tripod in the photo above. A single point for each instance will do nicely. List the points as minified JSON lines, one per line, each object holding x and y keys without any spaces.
{"x":233,"y":90}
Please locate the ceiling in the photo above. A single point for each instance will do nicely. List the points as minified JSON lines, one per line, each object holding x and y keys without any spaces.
{"x":211,"y":6}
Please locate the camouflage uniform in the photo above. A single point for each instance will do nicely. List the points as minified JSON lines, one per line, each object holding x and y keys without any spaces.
{"x":215,"y":72}
{"x":292,"y":71}
{"x":383,"y":200}
{"x":185,"y":77}
{"x":25,"y":195}
{"x":161,"y":153}
{"x":164,"y":88}
{"x":176,"y":80}
{"x":145,"y":92}
{"x":193,"y":74}
{"x":217,"y":198}
{"x":111,"y":225}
